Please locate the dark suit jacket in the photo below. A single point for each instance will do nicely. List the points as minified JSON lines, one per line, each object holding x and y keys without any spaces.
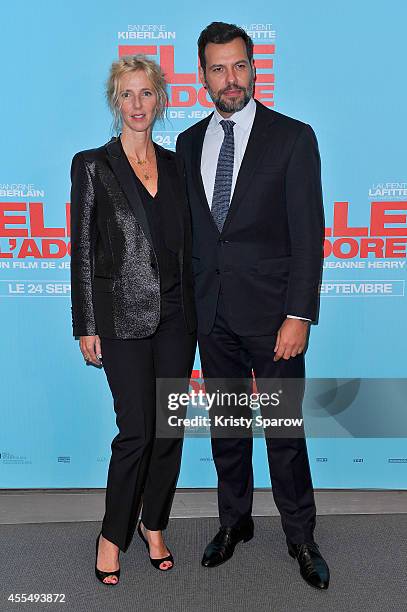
{"x":268,"y":257}
{"x":114,"y":270}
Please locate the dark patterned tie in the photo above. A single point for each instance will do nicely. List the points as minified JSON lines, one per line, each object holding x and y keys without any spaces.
{"x":224,"y":175}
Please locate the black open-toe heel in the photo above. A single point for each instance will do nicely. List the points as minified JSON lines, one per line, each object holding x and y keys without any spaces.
{"x":102,"y":575}
{"x":156,"y":562}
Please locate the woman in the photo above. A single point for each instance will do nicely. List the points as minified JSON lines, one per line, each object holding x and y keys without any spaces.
{"x":132,"y":303}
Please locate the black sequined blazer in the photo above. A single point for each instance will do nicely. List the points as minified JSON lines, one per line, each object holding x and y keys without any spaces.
{"x":115,"y":287}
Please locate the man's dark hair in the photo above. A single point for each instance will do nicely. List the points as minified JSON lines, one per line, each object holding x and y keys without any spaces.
{"x":219,"y":33}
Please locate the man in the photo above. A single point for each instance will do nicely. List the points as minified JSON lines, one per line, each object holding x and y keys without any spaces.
{"x":253,"y":180}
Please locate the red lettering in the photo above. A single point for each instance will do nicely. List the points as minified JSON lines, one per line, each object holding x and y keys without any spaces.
{"x":68,"y":218}
{"x":46,"y":249}
{"x":379,"y":218}
{"x":136,"y":49}
{"x":177,"y":92}
{"x":203,"y":98}
{"x":5,"y":255}
{"x":375,"y":246}
{"x":265,"y":94}
{"x":327,"y":248}
{"x":267,"y":77}
{"x":340,"y":224}
{"x":168,"y":66}
{"x":264,"y":63}
{"x":29,"y":249}
{"x":38,"y":229}
{"x":264,"y":49}
{"x":396,"y":247}
{"x":351,"y":243}
{"x":13,"y":220}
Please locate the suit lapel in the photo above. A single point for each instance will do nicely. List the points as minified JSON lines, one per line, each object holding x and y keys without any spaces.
{"x":124,"y":175}
{"x":256,"y":146}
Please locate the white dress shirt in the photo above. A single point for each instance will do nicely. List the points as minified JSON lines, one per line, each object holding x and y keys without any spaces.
{"x":211,"y":147}
{"x":213,"y":142}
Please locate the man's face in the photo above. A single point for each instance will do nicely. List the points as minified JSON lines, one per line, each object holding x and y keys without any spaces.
{"x":229,"y":76}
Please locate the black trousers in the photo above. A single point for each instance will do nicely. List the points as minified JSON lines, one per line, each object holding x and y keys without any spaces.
{"x":224,"y":354}
{"x":143,"y":469}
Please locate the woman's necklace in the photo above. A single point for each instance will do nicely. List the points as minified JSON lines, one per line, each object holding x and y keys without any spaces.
{"x":141,"y":162}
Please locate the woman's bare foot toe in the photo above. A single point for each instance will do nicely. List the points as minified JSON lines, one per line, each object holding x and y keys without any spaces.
{"x":165,"y":565}
{"x":110,"y":580}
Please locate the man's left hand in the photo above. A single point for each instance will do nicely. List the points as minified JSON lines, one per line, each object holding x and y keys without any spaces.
{"x":291,"y":338}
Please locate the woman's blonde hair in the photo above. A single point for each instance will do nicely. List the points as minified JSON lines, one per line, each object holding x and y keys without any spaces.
{"x":131,"y":63}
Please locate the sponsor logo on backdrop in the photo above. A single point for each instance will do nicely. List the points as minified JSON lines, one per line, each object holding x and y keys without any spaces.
{"x":64,"y":459}
{"x":7,"y":458}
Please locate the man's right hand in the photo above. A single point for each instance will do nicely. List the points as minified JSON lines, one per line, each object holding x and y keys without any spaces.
{"x":91,"y":349}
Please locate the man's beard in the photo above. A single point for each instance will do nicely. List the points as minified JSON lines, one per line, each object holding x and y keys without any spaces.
{"x":231,"y":105}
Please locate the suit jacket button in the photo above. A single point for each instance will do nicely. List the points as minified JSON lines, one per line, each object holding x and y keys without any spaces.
{"x":217,"y":271}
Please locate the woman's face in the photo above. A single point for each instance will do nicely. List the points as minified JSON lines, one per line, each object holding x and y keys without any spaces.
{"x":137,"y":101}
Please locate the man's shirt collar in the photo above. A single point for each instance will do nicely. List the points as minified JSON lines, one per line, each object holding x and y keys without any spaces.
{"x":243,"y":118}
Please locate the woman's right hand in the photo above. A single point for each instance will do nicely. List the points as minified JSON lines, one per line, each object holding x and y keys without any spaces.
{"x":91,"y":349}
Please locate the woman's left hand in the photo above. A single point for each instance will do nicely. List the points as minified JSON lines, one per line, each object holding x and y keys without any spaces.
{"x":91,"y":349}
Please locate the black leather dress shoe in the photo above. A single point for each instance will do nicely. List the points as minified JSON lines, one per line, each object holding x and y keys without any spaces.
{"x":221,"y":548}
{"x":313,"y":567}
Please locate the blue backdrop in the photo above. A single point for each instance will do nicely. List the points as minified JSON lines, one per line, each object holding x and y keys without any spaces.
{"x":340,"y":67}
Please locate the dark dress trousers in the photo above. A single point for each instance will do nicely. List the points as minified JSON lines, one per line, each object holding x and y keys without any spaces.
{"x":265,"y":264}
{"x":132,"y":285}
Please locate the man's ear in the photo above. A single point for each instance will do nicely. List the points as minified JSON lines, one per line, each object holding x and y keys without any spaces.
{"x":253,"y":68}
{"x":202,"y":76}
